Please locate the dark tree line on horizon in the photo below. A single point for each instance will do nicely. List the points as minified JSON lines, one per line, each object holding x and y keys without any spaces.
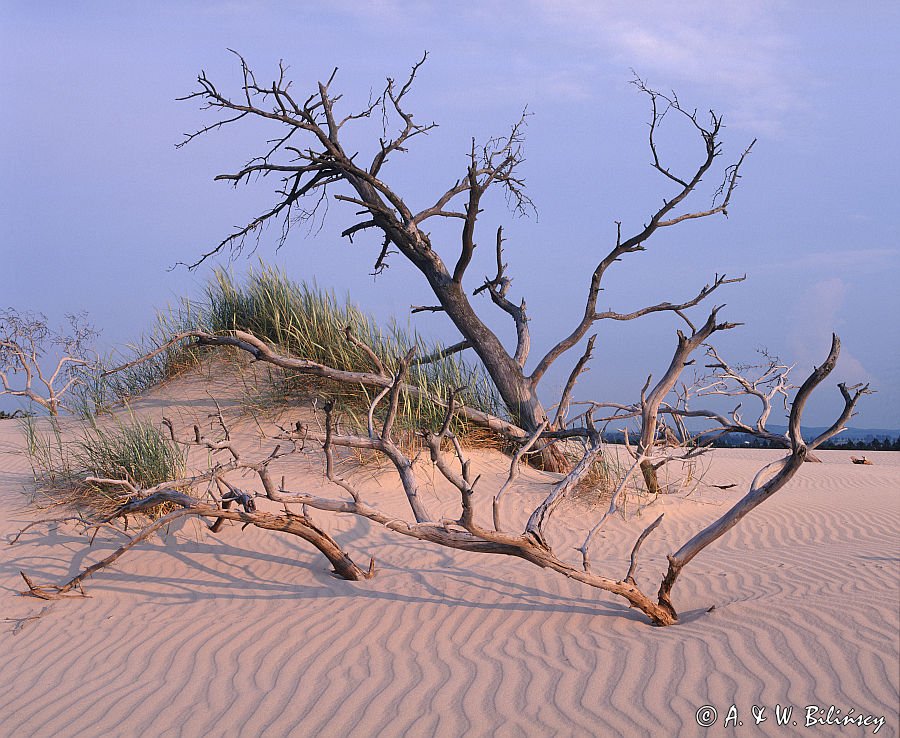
{"x":845,"y":444}
{"x":878,"y":443}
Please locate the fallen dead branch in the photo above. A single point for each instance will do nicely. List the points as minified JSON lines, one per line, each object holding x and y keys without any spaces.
{"x":464,"y":532}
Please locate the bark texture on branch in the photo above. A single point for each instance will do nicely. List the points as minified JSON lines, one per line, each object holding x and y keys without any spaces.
{"x":465,"y":532}
{"x":764,"y":486}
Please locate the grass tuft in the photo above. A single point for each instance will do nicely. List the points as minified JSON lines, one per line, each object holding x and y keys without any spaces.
{"x":123,"y":385}
{"x":133,"y":449}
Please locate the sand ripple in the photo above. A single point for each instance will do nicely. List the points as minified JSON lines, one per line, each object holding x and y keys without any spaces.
{"x":248,"y":634}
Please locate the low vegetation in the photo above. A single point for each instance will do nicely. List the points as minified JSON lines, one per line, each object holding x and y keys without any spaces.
{"x":70,"y":466}
{"x":301,"y":332}
{"x":305,"y":321}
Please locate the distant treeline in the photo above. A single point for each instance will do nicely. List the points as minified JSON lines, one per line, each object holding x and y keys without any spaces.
{"x":841,"y":444}
{"x":16,"y":414}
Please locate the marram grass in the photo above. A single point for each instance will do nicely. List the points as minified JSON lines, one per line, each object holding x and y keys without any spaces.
{"x":129,"y":448}
{"x":308,"y":322}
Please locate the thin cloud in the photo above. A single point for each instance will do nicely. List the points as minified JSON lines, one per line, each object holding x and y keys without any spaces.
{"x":813,"y":318}
{"x":734,"y":49}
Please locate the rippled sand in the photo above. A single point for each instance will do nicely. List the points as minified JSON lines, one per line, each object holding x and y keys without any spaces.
{"x":247,"y":633}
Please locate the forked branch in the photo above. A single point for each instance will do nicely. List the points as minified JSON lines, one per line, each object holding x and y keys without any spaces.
{"x":766,"y":482}
{"x":464,"y":532}
{"x":307,"y":156}
{"x":41,"y":364}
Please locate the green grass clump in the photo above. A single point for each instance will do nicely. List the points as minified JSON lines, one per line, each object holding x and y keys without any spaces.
{"x":308,"y":322}
{"x":305,"y":321}
{"x":132,"y":449}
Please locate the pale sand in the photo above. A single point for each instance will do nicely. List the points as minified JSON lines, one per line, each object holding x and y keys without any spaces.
{"x":246,"y":633}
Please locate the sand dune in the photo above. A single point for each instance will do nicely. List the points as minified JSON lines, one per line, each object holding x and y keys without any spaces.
{"x":247,"y":633}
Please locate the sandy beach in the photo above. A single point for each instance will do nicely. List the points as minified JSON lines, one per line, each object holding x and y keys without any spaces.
{"x":247,"y":633}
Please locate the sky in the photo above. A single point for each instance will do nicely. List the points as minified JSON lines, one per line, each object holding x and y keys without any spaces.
{"x":97,"y":205}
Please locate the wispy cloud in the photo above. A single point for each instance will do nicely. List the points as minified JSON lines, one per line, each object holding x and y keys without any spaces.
{"x":733,"y":49}
{"x":816,"y":313}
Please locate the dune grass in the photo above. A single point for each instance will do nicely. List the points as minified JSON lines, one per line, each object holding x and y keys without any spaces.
{"x":128,"y":448}
{"x":303,"y":320}
{"x":120,"y":386}
{"x":297,"y":318}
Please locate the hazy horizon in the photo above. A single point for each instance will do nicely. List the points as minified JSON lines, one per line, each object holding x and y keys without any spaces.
{"x":98,"y":205}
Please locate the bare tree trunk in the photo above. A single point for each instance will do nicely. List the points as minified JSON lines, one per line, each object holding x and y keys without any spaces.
{"x":650,"y":478}
{"x":464,"y":532}
{"x":518,"y":392}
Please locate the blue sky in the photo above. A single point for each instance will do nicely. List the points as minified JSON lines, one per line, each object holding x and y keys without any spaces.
{"x":97,"y":205}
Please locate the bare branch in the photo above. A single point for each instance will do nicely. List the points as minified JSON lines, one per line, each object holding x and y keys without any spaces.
{"x":520,"y":454}
{"x":497,"y":289}
{"x":541,"y":515}
{"x":465,"y":533}
{"x":28,"y":344}
{"x":759,"y":491}
{"x":851,"y":396}
{"x":580,"y":366}
{"x":629,"y":577}
{"x":394,"y":398}
{"x":442,"y":353}
{"x":410,"y":129}
{"x":661,"y":104}
{"x":366,"y":349}
{"x":567,"y":343}
{"x":585,"y":548}
{"x":413,"y":309}
{"x":262,"y":352}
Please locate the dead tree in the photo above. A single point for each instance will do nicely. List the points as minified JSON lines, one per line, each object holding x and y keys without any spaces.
{"x":763,"y":383}
{"x":27,"y":344}
{"x":467,"y":532}
{"x":770,"y":478}
{"x":306,"y":153}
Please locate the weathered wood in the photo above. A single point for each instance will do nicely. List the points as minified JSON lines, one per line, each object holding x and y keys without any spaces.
{"x":26,"y":339}
{"x":466,"y":533}
{"x":261,"y":351}
{"x":290,"y":523}
{"x":632,"y":568}
{"x":762,"y":489}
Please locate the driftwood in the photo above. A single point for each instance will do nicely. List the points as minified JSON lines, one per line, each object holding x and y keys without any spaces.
{"x":464,"y":532}
{"x":307,"y":156}
{"x":782,"y":471}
